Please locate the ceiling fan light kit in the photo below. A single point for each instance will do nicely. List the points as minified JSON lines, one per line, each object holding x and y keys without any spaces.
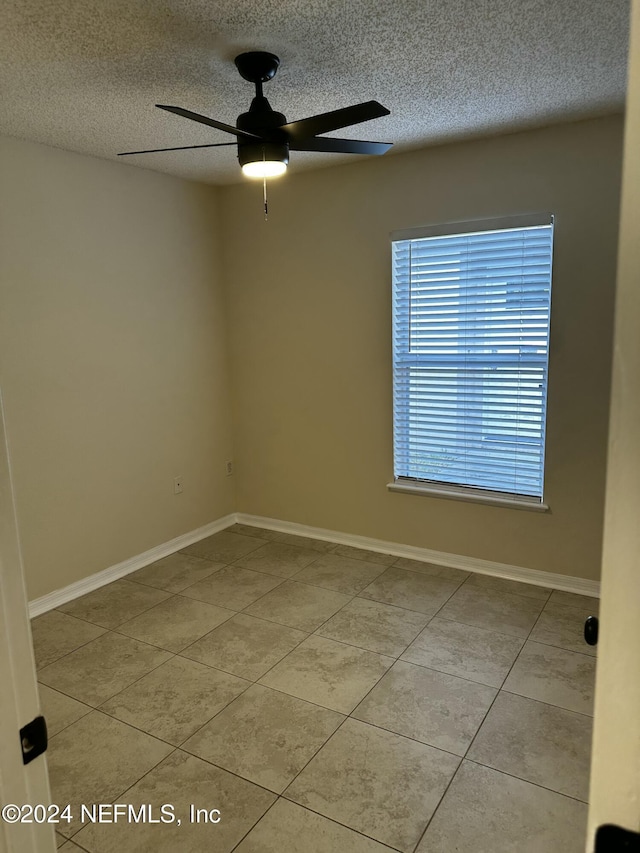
{"x":264,"y":137}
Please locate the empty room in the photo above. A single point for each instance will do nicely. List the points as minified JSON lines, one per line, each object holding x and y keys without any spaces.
{"x":319,"y":453}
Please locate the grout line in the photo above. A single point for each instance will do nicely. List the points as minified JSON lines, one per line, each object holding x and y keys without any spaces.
{"x":395,"y":659}
{"x":563,"y":648}
{"x":325,"y":817}
{"x":168,"y":595}
{"x":366,"y":648}
{"x":433,"y":813}
{"x":548,"y":704}
{"x":439,"y":615}
{"x":345,"y":826}
{"x":516,"y":659}
{"x":66,"y":654}
{"x":219,"y":711}
{"x":66,"y":695}
{"x":527,"y":781}
{"x":446,"y":675}
{"x":83,"y":701}
{"x":98,"y":707}
{"x":253,"y":826}
{"x":225,"y":770}
{"x":129,"y":787}
{"x":131,"y":577}
{"x":178,"y":592}
{"x":134,"y":726}
{"x":171,"y":651}
{"x":473,"y":739}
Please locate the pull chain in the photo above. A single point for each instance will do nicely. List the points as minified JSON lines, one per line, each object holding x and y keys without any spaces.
{"x":264,"y":190}
{"x":264,"y":196}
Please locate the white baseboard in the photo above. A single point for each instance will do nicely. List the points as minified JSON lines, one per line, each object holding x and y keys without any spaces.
{"x":566,"y":583}
{"x":95,"y":581}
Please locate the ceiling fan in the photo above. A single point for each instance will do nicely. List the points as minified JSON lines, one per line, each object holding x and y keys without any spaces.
{"x":264,"y":137}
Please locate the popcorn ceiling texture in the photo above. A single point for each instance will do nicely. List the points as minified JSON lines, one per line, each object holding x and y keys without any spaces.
{"x":85,"y":74}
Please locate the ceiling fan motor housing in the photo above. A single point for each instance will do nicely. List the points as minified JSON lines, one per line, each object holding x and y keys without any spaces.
{"x":264,"y":122}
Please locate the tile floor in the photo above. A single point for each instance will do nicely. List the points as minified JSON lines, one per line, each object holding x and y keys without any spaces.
{"x":324,"y":699}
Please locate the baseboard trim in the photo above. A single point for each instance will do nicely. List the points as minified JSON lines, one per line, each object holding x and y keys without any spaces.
{"x":565,"y":583}
{"x":61,"y":596}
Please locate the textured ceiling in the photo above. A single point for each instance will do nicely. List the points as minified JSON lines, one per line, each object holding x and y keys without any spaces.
{"x":85,"y":74}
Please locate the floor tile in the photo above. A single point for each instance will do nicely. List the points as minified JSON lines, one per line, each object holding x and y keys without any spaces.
{"x":374,"y":626}
{"x":174,"y":700}
{"x":182,"y":780}
{"x":489,"y":582}
{"x":232,"y":587}
{"x":432,"y":707}
{"x":299,"y":605}
{"x":115,"y":603}
{"x":328,"y":673}
{"x":175,"y":623}
{"x":245,"y":646}
{"x":556,"y":676}
{"x":60,"y":840}
{"x":224,"y":547}
{"x":416,"y":659}
{"x":95,"y":760}
{"x":59,"y":710}
{"x":431,"y":569}
{"x":536,"y":742}
{"x":584,"y":603}
{"x":464,"y":650}
{"x":175,"y":572}
{"x":102,"y":668}
{"x":291,"y":828}
{"x":70,"y":847}
{"x":343,"y":574}
{"x":265,"y":736}
{"x":562,"y":627}
{"x":248,"y":530}
{"x":487,"y":810}
{"x":278,"y":558}
{"x":409,"y":589}
{"x":55,"y":634}
{"x":306,"y":542}
{"x":497,"y":611}
{"x":375,"y":782}
{"x":363,"y":554}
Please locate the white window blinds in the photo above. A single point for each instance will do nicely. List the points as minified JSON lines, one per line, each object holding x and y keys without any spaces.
{"x":471,"y":343}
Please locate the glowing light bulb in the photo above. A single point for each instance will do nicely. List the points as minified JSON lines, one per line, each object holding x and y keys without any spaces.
{"x":264,"y":169}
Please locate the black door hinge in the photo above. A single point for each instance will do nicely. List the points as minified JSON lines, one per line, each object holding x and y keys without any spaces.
{"x":33,"y":739}
{"x":613,"y":839}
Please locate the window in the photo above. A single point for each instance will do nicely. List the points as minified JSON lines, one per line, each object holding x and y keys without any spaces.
{"x":471,"y":306}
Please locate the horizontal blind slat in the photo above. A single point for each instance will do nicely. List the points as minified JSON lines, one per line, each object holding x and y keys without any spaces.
{"x":470,"y":336}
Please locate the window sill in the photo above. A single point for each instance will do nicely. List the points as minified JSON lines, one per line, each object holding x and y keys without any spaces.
{"x":471,"y":497}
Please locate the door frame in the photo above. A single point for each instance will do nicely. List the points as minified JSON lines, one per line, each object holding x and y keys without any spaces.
{"x":615,"y":764}
{"x":19,"y":702}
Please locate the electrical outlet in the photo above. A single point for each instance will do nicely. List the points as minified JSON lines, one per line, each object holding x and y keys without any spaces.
{"x":177,"y":485}
{"x":229,"y":467}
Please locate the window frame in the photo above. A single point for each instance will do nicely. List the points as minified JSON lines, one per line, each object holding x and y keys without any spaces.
{"x":462,"y":492}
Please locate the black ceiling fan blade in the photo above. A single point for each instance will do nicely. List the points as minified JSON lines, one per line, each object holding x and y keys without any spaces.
{"x":334,"y":120}
{"x":179,"y":148}
{"x":330,"y":145}
{"x":179,"y":111}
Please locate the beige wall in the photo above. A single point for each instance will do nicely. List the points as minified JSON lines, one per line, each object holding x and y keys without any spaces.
{"x":309,"y":319}
{"x":615,"y":768}
{"x":112,"y":359}
{"x":112,"y":348}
